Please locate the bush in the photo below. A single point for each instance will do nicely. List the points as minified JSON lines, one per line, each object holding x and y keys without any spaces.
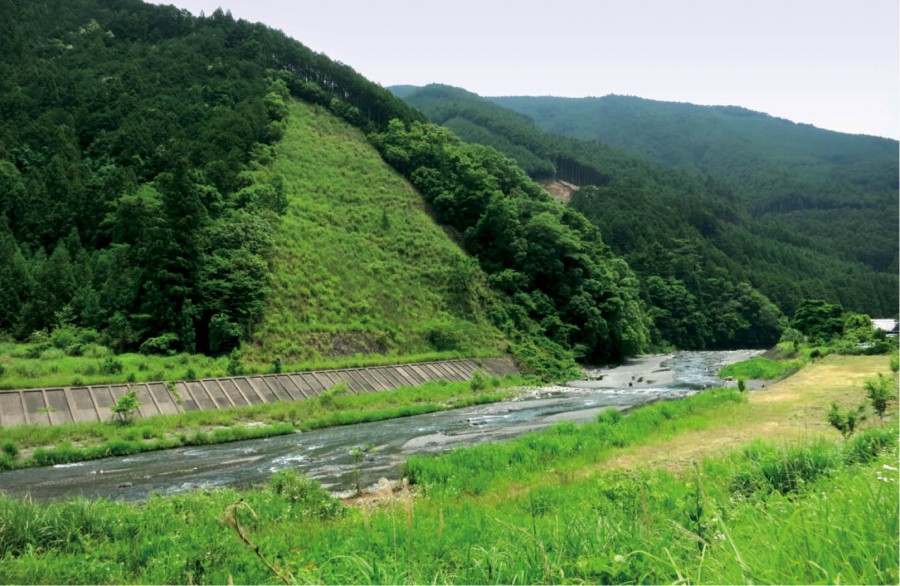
{"x":758,"y":367}
{"x":479,"y":381}
{"x":235,"y":367}
{"x":52,"y":354}
{"x":10,"y":449}
{"x":610,"y":417}
{"x":64,"y":453}
{"x":224,"y":336}
{"x":126,"y":406}
{"x":326,"y":398}
{"x":159,"y":345}
{"x":767,"y":468}
{"x":63,"y":337}
{"x":111,"y":365}
{"x":313,"y":500}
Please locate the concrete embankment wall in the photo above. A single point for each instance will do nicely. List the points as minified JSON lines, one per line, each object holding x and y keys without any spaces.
{"x":56,"y":405}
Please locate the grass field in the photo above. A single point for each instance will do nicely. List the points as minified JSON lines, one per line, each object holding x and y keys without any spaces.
{"x":545,"y":508}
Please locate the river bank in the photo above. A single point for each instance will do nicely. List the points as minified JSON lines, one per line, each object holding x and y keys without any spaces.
{"x":327,"y":454}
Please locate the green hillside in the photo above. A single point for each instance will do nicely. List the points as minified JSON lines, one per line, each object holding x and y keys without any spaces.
{"x":359,"y":266}
{"x":694,"y":241}
{"x":806,"y":185}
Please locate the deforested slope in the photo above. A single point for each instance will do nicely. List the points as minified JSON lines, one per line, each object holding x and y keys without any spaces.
{"x":359,"y":266}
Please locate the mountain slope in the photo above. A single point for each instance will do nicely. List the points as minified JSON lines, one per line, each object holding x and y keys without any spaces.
{"x":805,"y":184}
{"x":359,"y":266}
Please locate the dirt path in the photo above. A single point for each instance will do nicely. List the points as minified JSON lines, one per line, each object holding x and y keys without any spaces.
{"x":790,"y":411}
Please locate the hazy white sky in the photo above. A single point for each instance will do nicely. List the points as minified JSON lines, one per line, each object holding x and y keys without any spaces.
{"x":831,"y":63}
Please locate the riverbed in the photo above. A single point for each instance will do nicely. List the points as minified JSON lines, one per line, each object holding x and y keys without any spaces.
{"x":336,"y":456}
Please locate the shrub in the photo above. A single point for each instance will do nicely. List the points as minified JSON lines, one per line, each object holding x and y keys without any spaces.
{"x":64,"y":453}
{"x":785,"y":470}
{"x":63,"y":337}
{"x":479,"y":381}
{"x":118,"y":447}
{"x":52,"y":354}
{"x":326,"y":398}
{"x":159,"y":345}
{"x":610,"y":417}
{"x":10,"y":449}
{"x":235,"y":368}
{"x":126,"y":406}
{"x":313,"y":500}
{"x":880,"y":392}
{"x":224,"y":336}
{"x":111,"y":365}
{"x":846,"y":421}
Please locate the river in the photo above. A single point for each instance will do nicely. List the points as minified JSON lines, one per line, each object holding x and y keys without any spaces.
{"x":327,"y":454}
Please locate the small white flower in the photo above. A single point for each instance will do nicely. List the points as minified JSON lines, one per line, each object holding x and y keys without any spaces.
{"x":719,"y":537}
{"x":888,"y":467}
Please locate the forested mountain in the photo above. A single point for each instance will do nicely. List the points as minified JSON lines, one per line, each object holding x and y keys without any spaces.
{"x":692,"y":238}
{"x":144,"y":197}
{"x":128,"y":138}
{"x":828,"y":191}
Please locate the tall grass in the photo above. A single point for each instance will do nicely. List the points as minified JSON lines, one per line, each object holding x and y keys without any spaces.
{"x":359,"y":266}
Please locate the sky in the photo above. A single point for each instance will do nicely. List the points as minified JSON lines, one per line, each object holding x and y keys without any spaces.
{"x":831,"y":63}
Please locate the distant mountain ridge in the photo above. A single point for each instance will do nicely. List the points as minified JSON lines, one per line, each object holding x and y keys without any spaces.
{"x":795,"y":177}
{"x":692,"y":235}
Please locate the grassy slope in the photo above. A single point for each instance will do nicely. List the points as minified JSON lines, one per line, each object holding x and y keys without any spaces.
{"x":360,"y":267}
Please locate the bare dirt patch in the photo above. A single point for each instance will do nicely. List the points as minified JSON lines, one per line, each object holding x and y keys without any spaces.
{"x":559,"y":189}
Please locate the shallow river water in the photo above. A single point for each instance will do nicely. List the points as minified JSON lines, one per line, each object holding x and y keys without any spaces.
{"x":327,"y":454}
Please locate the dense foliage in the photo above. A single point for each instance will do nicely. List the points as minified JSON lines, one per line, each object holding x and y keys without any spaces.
{"x":548,"y":259}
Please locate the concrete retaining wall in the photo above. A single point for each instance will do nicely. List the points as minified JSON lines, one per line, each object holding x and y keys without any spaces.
{"x":53,"y":406}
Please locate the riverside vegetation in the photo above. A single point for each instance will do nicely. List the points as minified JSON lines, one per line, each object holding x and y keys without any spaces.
{"x":43,"y":445}
{"x":540,"y":509}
